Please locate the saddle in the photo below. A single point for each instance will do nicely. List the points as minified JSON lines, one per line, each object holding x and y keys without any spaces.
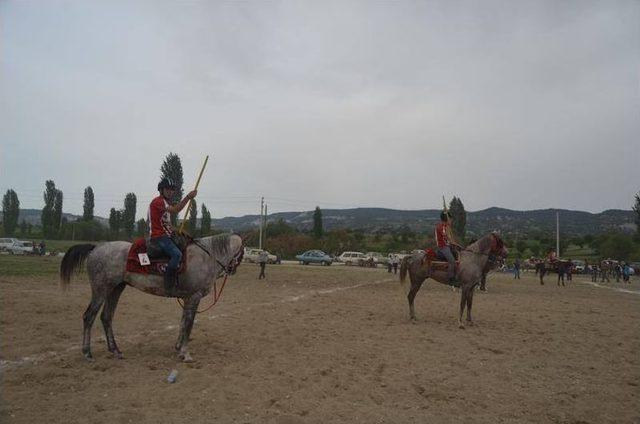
{"x":147,"y":258}
{"x":435,"y":262}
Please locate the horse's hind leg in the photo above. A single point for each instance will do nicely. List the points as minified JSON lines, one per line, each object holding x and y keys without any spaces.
{"x":97,"y":299}
{"x":188,"y":315}
{"x":411,"y":297}
{"x":107,"y":318}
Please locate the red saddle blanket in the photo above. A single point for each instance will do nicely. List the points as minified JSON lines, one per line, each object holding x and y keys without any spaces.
{"x":157,"y":265}
{"x":436,"y":262}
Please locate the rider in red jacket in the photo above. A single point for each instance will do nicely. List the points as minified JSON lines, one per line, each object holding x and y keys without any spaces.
{"x":160,"y":229}
{"x":445,"y":241}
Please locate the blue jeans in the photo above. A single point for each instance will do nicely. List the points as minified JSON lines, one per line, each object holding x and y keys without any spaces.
{"x":169,"y":248}
{"x":446,"y":253}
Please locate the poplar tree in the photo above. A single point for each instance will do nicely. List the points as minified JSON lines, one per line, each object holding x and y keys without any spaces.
{"x":87,"y":214}
{"x":56,"y":224}
{"x":459,"y":218}
{"x":10,"y":212}
{"x":317,"y":223}
{"x":47,"y":211}
{"x":193,"y":218}
{"x":172,"y":169}
{"x":129,"y":214}
{"x":205,"y":222}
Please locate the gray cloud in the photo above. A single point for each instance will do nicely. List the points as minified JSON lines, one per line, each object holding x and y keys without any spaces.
{"x":522,"y":105}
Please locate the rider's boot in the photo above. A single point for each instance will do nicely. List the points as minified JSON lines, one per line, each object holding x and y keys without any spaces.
{"x":170,"y":281}
{"x":453,"y":281}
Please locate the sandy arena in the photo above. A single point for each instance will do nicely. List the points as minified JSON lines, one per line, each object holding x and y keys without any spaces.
{"x":327,"y":344}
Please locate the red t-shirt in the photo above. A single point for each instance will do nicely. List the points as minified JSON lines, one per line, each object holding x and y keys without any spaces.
{"x":442,"y":237}
{"x":159,"y":218}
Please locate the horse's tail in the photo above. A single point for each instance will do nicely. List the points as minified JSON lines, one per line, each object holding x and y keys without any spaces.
{"x":72,"y":261}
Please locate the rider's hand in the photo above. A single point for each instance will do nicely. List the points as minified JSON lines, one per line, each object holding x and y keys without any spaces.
{"x":192,"y":194}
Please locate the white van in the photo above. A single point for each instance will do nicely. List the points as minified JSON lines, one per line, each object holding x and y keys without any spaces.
{"x":6,"y":243}
{"x":352,"y":258}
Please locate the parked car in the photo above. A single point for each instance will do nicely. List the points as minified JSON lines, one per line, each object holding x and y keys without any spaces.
{"x":378,"y":258}
{"x":352,"y":258}
{"x":314,"y":257}
{"x":21,"y":248}
{"x":578,"y":266}
{"x":251,"y":255}
{"x":7,"y":242}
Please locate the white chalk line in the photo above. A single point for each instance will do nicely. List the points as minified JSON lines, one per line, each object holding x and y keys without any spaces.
{"x":591,"y":283}
{"x":32,"y":359}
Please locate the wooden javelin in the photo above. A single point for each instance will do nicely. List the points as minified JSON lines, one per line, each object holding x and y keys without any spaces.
{"x":184,"y":220}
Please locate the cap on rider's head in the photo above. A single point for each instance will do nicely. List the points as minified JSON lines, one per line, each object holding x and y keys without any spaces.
{"x":166,"y":183}
{"x":444,"y":216}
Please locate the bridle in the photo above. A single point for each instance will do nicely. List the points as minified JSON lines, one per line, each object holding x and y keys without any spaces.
{"x":232,"y":265}
{"x":493,"y":256}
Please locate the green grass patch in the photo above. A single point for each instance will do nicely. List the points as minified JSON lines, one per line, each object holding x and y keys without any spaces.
{"x":29,"y":266}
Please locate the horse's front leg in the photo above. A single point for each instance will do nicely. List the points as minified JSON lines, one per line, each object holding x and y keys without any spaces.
{"x":469,"y":304}
{"x":463,"y":302}
{"x":188,"y":315}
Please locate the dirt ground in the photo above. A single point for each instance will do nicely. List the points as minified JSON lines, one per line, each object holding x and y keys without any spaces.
{"x":327,"y":344}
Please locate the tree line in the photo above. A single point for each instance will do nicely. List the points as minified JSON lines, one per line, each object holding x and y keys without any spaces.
{"x":122,"y":224}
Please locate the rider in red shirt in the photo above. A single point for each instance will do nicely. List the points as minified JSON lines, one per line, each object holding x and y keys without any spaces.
{"x":445,"y":240}
{"x":160,"y":229}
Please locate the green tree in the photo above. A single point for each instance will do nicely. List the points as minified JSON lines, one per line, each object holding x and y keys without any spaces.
{"x":142,"y":228}
{"x":115,"y":220}
{"x":616,"y":246}
{"x":459,"y":219}
{"x":205,"y":222}
{"x":46,"y":217}
{"x":172,"y":168}
{"x":521,"y":246}
{"x":535,"y":248}
{"x":317,"y":223}
{"x":87,"y":208}
{"x":129,"y":214}
{"x":10,"y":212}
{"x":57,"y":214}
{"x":24,"y":228}
{"x":192,"y":223}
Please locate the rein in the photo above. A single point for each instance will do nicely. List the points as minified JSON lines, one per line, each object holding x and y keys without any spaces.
{"x":226,"y":271}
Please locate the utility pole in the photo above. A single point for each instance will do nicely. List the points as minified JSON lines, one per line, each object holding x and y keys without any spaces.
{"x":261,"y":212}
{"x":265,"y":225}
{"x":558,"y":233}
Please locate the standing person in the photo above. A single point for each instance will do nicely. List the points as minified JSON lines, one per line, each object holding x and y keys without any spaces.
{"x":445,"y":241}
{"x":263,"y":258}
{"x":516,"y":269}
{"x":160,"y":229}
{"x":43,"y":248}
{"x":394,"y":263}
{"x":569,"y":270}
{"x":626,"y":273}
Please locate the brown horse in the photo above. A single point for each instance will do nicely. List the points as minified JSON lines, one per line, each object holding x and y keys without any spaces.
{"x":474,"y":259}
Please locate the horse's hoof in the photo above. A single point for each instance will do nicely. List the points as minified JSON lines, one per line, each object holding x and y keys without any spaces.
{"x":118,"y":355}
{"x":461,"y":326}
{"x":185,"y":357}
{"x":470,"y":323}
{"x":88,"y":356}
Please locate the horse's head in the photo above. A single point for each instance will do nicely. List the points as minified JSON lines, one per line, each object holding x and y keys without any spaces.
{"x":227,"y":251}
{"x":498,"y":248}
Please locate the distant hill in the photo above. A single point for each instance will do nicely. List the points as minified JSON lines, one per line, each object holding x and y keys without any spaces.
{"x":572,"y":223}
{"x":524,"y":223}
{"x":32,"y":216}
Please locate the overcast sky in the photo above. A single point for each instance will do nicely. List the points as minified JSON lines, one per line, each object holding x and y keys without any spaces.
{"x":523,"y":105}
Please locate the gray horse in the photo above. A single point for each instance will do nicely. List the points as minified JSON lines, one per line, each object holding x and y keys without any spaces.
{"x":106,"y":268}
{"x":474,"y":260}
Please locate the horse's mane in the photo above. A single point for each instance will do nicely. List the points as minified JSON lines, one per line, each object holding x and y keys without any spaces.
{"x":219,"y":244}
{"x":482,"y":245}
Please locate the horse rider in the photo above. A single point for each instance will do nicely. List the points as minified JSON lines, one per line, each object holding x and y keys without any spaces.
{"x":161,"y":231}
{"x":444,"y":239}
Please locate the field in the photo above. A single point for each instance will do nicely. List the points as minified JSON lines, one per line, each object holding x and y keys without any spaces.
{"x":324,"y":344}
